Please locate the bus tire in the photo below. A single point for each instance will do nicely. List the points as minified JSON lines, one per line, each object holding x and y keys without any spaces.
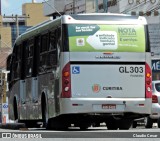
{"x":124,"y":124}
{"x":30,"y":123}
{"x":134,"y":124}
{"x":83,"y":127}
{"x":148,"y":122}
{"x":158,"y":122}
{"x":111,"y":124}
{"x":15,"y":110}
{"x":44,"y":112}
{"x":57,"y":124}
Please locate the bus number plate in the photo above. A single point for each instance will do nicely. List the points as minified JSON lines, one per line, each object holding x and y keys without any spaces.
{"x":108,"y":106}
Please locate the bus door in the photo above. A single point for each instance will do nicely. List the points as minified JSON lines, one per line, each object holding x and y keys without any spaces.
{"x":23,"y":99}
{"x":22,"y":91}
{"x":34,"y":90}
{"x":23,"y":85}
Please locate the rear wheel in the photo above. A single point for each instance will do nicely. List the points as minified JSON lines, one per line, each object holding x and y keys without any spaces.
{"x":58,"y":124}
{"x":111,"y":124}
{"x":148,"y":122}
{"x":134,"y":124}
{"x":44,"y":113}
{"x":30,"y":123}
{"x":15,"y":110}
{"x":83,"y":127}
{"x":158,"y":122}
{"x":124,"y":124}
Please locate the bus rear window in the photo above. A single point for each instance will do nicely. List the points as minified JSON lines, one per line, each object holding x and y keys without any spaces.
{"x":114,"y":38}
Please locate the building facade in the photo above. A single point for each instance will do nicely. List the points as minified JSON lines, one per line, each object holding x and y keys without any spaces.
{"x":5,"y":35}
{"x":10,"y":27}
{"x":32,"y":14}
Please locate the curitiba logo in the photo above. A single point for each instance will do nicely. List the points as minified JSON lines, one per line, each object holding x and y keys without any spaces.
{"x":96,"y":88}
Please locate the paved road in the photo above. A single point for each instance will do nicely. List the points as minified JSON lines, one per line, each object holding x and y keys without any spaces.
{"x":92,"y":134}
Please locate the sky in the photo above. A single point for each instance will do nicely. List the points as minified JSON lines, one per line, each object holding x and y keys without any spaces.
{"x":14,"y":7}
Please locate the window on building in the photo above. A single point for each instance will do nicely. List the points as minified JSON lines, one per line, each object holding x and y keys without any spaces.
{"x":112,"y":3}
{"x":156,"y":13}
{"x":141,"y":13}
{"x":133,"y":13}
{"x":148,"y":13}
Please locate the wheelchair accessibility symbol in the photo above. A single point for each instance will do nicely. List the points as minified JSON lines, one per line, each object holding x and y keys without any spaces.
{"x":75,"y":70}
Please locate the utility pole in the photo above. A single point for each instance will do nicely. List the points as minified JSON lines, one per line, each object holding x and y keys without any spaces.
{"x":16,"y":19}
{"x":105,"y":5}
{"x":0,"y":40}
{"x":97,"y":6}
{"x":74,"y":8}
{"x":17,"y":26}
{"x":0,"y":8}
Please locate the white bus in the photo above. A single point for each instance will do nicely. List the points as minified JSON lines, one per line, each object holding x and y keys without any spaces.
{"x":81,"y":70}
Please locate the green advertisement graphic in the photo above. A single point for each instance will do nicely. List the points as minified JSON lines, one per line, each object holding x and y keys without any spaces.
{"x":83,"y":30}
{"x":115,"y":38}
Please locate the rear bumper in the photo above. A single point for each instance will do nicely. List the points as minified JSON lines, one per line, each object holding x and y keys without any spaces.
{"x":155,"y":112}
{"x":94,"y":105}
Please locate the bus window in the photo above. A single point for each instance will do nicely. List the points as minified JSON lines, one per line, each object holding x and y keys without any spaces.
{"x":43,"y":53}
{"x":16,"y":62}
{"x":29,"y":58}
{"x":9,"y":67}
{"x":37,"y":45}
{"x":52,"y":41}
{"x":65,"y":43}
{"x":12,"y":68}
{"x":52,"y":53}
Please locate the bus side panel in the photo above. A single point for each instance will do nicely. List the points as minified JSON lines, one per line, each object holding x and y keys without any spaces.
{"x":148,"y":58}
{"x":14,"y":93}
{"x":46,"y":86}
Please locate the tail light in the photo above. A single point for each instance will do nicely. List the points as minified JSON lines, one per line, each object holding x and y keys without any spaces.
{"x":154,"y":99}
{"x":148,"y":79}
{"x":66,"y":82}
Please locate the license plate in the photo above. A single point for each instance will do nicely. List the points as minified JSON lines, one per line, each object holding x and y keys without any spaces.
{"x":108,"y":106}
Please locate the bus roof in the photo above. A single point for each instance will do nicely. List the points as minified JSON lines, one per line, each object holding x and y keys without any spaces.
{"x":103,"y":18}
{"x":93,"y":18}
{"x":38,"y":29}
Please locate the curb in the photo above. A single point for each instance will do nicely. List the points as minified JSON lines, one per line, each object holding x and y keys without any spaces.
{"x":14,"y":126}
